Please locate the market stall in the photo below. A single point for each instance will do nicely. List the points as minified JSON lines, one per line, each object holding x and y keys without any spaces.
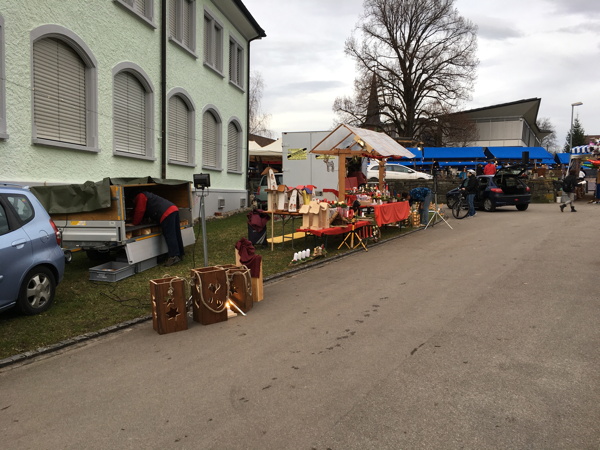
{"x":348,"y":142}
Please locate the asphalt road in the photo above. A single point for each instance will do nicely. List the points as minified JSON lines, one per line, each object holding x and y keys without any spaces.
{"x":484,"y":336}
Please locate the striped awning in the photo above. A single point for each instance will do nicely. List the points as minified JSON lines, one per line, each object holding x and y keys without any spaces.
{"x":581,"y":149}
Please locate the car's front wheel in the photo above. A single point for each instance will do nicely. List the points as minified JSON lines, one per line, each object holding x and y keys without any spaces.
{"x":489,"y":205}
{"x":523,"y":207}
{"x":374,"y":179}
{"x":37,"y":291}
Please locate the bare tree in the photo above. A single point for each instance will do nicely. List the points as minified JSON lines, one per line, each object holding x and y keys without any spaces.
{"x":423,"y":55}
{"x":456,"y":130}
{"x":259,"y":121}
{"x":353,"y":111}
{"x":549,"y":142}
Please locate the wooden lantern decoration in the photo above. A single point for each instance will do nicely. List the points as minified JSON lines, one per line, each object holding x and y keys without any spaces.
{"x":169,"y":313}
{"x":209,"y":295}
{"x":240,"y":288}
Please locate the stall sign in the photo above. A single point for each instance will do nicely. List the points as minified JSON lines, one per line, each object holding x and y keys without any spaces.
{"x":296,"y":154}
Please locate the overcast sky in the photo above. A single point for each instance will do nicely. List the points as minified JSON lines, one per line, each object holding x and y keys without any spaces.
{"x":548,"y":49}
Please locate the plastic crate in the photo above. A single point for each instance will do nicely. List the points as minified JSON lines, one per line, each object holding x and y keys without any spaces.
{"x":146,"y":264}
{"x":111,"y":271}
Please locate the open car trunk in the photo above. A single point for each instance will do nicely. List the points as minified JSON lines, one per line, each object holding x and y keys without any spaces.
{"x":510,"y":184}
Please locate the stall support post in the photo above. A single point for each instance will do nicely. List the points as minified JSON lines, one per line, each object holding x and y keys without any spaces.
{"x":342,"y":177}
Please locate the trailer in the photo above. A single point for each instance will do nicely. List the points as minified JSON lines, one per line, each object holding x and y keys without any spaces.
{"x":96,"y":216}
{"x":300,"y":167}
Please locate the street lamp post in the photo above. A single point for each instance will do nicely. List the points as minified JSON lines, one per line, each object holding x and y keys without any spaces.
{"x":573,"y":105}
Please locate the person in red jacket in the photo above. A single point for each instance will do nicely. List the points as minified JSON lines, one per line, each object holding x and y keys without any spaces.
{"x":162,"y":211}
{"x":490,"y":168}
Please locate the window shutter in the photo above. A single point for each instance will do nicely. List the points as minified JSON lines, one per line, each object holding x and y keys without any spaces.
{"x":233,"y":148}
{"x":179,"y":130}
{"x":129,"y":125}
{"x":173,"y":18}
{"x":240,"y":66}
{"x":209,"y":140}
{"x":218,"y":48}
{"x":232,"y":62}
{"x":208,"y":56}
{"x":59,"y":92}
{"x":139,"y":6}
{"x":186,"y":31}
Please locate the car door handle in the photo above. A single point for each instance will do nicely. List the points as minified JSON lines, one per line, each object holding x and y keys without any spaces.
{"x":19,"y":243}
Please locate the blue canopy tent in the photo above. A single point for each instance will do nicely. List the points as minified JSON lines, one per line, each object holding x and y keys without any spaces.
{"x":562,"y":158}
{"x":448,"y":156}
{"x":513,"y":154}
{"x":548,"y":161}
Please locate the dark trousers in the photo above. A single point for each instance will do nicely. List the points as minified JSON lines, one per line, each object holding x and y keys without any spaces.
{"x":172,"y":232}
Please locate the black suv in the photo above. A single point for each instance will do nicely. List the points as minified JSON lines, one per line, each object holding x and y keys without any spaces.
{"x":505,"y":188}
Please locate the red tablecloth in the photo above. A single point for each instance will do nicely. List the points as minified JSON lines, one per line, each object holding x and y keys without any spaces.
{"x":336,"y":230}
{"x":391,"y":212}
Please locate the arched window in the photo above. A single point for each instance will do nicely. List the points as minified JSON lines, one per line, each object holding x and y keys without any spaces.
{"x":234,"y":147}
{"x":132,"y":112}
{"x":180,"y":132}
{"x":211,"y":140}
{"x":64,"y":90}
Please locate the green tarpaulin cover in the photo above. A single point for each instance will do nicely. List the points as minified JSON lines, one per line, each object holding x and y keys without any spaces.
{"x":89,"y":196}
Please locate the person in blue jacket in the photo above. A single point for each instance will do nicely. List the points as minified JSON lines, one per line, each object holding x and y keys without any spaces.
{"x":423,"y":196}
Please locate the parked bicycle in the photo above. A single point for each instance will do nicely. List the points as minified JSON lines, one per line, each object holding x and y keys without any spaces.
{"x":460,"y":207}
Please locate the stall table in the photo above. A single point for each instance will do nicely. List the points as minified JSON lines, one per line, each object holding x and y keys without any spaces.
{"x":391,"y":212}
{"x":361,"y":228}
{"x":286,"y":216}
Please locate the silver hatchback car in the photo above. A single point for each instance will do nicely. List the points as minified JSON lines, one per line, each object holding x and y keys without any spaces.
{"x":32,"y":262}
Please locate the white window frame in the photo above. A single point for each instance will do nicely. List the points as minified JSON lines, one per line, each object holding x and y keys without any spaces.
{"x":210,"y":145}
{"x":91,"y":86}
{"x":235,"y":152}
{"x":213,"y":43}
{"x":177,"y":16}
{"x":144,"y":79}
{"x":184,"y":96}
{"x":3,"y":130}
{"x":134,"y":7}
{"x":237,"y":63}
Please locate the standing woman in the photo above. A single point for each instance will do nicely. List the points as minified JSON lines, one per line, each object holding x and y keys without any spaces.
{"x":471,"y":190}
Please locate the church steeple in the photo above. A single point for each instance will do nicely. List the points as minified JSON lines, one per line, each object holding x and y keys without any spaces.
{"x":373,"y":121}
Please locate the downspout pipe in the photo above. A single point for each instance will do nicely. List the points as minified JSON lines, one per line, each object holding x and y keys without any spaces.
{"x":248,"y":123}
{"x":163,"y":90}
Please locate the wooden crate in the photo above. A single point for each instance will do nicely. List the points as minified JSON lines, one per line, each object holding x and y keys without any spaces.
{"x":169,"y":313}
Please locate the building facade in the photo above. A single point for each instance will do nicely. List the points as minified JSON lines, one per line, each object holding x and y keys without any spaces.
{"x":511,"y":124}
{"x":126,"y":88}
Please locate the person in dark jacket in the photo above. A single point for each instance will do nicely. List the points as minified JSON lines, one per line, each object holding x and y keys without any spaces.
{"x":569,"y":185}
{"x":423,"y":196}
{"x":471,"y":190}
{"x":159,"y":210}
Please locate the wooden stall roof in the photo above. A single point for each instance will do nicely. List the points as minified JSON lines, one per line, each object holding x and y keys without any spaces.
{"x":349,"y":140}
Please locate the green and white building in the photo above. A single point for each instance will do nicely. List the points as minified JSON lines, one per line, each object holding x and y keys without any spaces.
{"x":126,"y":88}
